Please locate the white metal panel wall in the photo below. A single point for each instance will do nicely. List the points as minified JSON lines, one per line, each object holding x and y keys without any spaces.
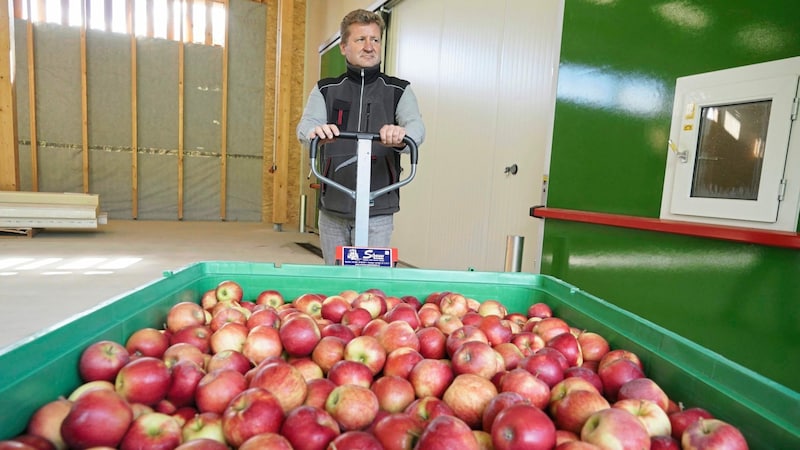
{"x":484,"y":74}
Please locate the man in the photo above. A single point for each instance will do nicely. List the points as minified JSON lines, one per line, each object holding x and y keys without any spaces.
{"x":361,"y":100}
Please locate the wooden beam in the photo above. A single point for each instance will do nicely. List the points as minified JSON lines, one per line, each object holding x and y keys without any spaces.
{"x":223,"y":168}
{"x":134,"y":115}
{"x":84,"y":110}
{"x":9,"y":147}
{"x":283,"y":103}
{"x":32,"y":103}
{"x":181,"y":75}
{"x":209,"y":22}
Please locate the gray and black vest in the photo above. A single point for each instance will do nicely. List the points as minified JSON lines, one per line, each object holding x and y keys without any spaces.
{"x":360,"y":100}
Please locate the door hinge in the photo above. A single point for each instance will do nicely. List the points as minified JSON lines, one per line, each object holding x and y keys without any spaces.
{"x":795,"y":105}
{"x":782,"y":190}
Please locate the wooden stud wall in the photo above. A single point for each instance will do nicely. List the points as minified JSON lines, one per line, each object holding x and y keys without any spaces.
{"x":283,"y":100}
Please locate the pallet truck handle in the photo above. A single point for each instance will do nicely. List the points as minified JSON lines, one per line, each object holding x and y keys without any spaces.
{"x":413,"y":153}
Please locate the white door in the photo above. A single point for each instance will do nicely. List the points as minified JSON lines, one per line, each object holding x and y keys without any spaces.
{"x":485,"y":76}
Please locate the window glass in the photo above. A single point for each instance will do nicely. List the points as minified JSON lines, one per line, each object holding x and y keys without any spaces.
{"x":730,"y":150}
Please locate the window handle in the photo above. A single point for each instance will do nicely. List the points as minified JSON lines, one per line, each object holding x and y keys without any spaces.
{"x":683,"y":156}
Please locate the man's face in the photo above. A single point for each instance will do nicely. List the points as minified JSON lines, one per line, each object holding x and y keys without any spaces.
{"x":363,"y":46}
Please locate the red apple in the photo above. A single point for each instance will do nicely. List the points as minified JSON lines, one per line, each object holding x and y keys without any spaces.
{"x":593,"y":346}
{"x":550,"y":327}
{"x":267,"y":316}
{"x":183,"y":351}
{"x":541,"y":310}
{"x":619,"y":353}
{"x":523,"y":426}
{"x":374,"y":327}
{"x":587,"y":374}
{"x":197,"y":335}
{"x":398,"y":334}
{"x":229,"y":359}
{"x":225,"y":313}
{"x":334,"y":307}
{"x":229,"y":291}
{"x":615,"y":428}
{"x":644,"y":389}
{"x":309,"y":428}
{"x":354,"y":407}
{"x":664,"y":443}
{"x":432,"y":342}
{"x":328,"y":352}
{"x":430,"y":377}
{"x":270,"y":297}
{"x":207,"y":425}
{"x":366,"y":350}
{"x":544,"y":366}
{"x":185,"y":376}
{"x":528,"y":342}
{"x":475,"y":357}
{"x":299,"y":335}
{"x":492,"y":307}
{"x":372,"y":302}
{"x":707,"y":434}
{"x":682,"y":419}
{"x":462,"y":335}
{"x":27,"y":442}
{"x":338,"y":330}
{"x":500,"y":402}
{"x":310,"y":304}
{"x":351,"y":372}
{"x":253,"y":411}
{"x":271,"y":441}
{"x":98,"y":418}
{"x":472,"y":318}
{"x":203,"y":444}
{"x":429,"y":314}
{"x":360,"y":440}
{"x":147,"y":342}
{"x":209,"y":299}
{"x":567,"y":344}
{"x":398,"y":431}
{"x":616,"y":373}
{"x":144,"y":380}
{"x":448,"y":323}
{"x":403,"y":312}
{"x":651,"y":415}
{"x":185,"y":314}
{"x":532,"y":389}
{"x":229,"y":336}
{"x":425,"y":409}
{"x":318,"y":391}
{"x":88,"y":386}
{"x":447,"y":432}
{"x":356,"y":319}
{"x":453,"y":304}
{"x":102,"y":360}
{"x":284,"y":381}
{"x":394,"y":393}
{"x":510,"y":353}
{"x":496,"y":329}
{"x":46,"y":421}
{"x":564,"y":387}
{"x":468,"y":395}
{"x":154,"y":431}
{"x":217,"y":388}
{"x":262,"y":342}
{"x":576,"y":407}
{"x":400,"y":362}
{"x":307,"y":368}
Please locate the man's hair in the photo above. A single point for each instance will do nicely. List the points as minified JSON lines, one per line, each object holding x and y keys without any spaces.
{"x":361,"y":17}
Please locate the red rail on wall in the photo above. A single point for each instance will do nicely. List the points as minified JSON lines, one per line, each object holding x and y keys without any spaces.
{"x":751,"y":236}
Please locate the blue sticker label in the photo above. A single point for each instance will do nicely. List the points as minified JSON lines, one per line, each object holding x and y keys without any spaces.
{"x":361,"y":256}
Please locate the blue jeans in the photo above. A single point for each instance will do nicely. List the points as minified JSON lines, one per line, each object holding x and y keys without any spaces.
{"x":335,"y":231}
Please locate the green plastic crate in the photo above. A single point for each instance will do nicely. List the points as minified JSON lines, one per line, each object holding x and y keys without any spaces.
{"x":39,"y":369}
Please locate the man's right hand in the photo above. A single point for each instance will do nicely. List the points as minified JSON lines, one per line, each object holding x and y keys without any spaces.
{"x":326,"y":133}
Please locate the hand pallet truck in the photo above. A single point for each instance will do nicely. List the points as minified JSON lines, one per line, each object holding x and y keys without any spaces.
{"x":360,"y":254}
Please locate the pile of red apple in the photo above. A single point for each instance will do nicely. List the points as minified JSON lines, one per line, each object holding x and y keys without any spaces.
{"x":365,"y":370}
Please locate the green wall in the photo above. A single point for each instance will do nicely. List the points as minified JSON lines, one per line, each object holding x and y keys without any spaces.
{"x":619,"y":63}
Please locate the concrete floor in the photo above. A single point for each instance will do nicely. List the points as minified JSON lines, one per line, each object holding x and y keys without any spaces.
{"x":56,"y":274}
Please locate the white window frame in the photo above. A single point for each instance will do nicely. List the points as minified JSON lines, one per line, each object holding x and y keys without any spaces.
{"x":778,"y":204}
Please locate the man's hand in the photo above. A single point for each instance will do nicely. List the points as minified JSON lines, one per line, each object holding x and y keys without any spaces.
{"x":392,"y":135}
{"x":326,"y":133}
